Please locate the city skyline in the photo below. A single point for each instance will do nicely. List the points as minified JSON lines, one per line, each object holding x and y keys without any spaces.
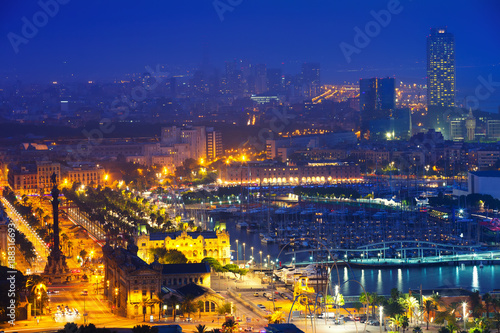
{"x":147,"y":39}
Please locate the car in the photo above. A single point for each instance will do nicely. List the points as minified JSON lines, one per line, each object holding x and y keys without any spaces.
{"x":256,"y":294}
{"x":189,"y":319}
{"x":320,"y":316}
{"x":260,"y":306}
{"x":85,"y":292}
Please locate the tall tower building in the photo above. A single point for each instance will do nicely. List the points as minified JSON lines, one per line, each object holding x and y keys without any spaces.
{"x":377,"y":99}
{"x":470,"y":125}
{"x":214,"y":144}
{"x":377,"y":94}
{"x":440,"y":68}
{"x":311,"y":79}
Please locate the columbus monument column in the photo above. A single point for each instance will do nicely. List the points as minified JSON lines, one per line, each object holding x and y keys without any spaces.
{"x":56,"y":270}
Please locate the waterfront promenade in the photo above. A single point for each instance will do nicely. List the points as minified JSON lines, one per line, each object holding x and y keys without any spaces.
{"x":485,"y":258}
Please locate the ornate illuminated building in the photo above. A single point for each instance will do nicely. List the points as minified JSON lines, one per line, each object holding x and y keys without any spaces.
{"x":133,"y":287}
{"x":194,"y":245}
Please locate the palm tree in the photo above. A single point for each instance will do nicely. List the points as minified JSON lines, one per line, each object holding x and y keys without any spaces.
{"x":157,"y":300}
{"x":428,"y":307}
{"x":452,"y":309}
{"x":451,"y":327}
{"x":69,"y":244}
{"x":173,"y":301}
{"x":437,"y":300}
{"x":411,"y":303}
{"x":497,"y":321}
{"x":200,"y":328}
{"x":396,"y":321}
{"x":404,"y":323}
{"x":277,"y":317}
{"x":365,"y":299}
{"x":36,"y":284}
{"x":357,"y":306}
{"x":188,"y":306}
{"x":200,"y":306}
{"x":230,"y":326}
{"x":488,"y":300}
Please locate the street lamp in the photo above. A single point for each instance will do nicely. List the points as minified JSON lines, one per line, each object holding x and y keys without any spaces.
{"x":464,"y":306}
{"x":381,"y":317}
{"x":337,"y":302}
{"x":252,"y":252}
{"x":244,"y":254}
{"x":237,"y":254}
{"x":268,"y":259}
{"x":260,"y":252}
{"x":116,"y":300}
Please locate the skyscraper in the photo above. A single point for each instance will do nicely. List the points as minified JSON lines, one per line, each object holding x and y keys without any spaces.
{"x":440,"y":68}
{"x":377,"y":94}
{"x":377,"y":99}
{"x":311,"y":79}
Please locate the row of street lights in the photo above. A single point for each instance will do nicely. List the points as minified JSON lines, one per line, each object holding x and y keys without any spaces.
{"x":244,"y":253}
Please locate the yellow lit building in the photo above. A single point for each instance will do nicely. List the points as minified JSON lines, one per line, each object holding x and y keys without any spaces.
{"x":194,"y":245}
{"x":133,"y":288}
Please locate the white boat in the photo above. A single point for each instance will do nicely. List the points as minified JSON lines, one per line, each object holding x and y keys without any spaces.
{"x":267,"y":240}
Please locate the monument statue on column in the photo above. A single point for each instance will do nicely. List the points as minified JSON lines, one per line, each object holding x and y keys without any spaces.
{"x":56,"y":270}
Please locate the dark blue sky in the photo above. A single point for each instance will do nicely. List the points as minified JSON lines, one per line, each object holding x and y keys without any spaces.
{"x":105,"y":38}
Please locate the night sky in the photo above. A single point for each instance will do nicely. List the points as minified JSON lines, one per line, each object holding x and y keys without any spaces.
{"x":102,"y":39}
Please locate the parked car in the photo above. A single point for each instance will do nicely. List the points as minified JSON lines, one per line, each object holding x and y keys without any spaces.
{"x":256,"y":294}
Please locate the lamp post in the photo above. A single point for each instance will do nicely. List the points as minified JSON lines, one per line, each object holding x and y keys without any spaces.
{"x":336,"y":302}
{"x":381,"y":317}
{"x":244,"y":254}
{"x":260,"y":252}
{"x":237,"y":254}
{"x":116,"y":300}
{"x":252,"y":252}
{"x":464,"y":306}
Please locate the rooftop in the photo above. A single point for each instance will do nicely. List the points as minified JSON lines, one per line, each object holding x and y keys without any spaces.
{"x":186,"y":268}
{"x":488,"y":173}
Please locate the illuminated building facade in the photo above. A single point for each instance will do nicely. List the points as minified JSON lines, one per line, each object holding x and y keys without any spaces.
{"x":45,"y":169}
{"x":194,"y":245}
{"x":130,"y":282}
{"x":87,"y":174}
{"x":31,"y":178}
{"x":312,"y":173}
{"x":214,"y":144}
{"x":440,"y":68}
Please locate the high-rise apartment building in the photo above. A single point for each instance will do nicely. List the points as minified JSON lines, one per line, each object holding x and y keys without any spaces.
{"x":214,"y":144}
{"x":440,"y":68}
